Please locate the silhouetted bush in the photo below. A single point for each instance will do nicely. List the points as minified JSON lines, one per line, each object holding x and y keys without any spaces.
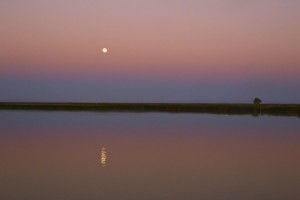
{"x":257,"y":101}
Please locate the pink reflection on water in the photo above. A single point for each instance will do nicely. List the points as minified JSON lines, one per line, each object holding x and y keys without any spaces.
{"x":173,"y":162}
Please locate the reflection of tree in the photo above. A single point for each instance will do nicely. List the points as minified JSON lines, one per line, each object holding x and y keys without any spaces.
{"x":103,"y":157}
{"x":255,"y":113}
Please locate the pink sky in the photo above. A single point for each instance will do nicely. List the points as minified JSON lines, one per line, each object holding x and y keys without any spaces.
{"x":217,"y":39}
{"x":155,"y":36}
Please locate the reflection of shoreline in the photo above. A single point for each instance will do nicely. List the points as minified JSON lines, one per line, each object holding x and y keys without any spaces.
{"x":103,"y":157}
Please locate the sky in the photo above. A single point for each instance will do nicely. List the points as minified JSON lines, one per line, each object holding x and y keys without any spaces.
{"x":158,"y":51}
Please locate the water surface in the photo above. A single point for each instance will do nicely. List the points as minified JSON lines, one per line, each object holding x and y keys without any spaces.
{"x":90,"y":155}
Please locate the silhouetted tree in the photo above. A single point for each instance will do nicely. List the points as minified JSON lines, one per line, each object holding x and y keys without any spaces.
{"x":257,"y":101}
{"x":257,"y":108}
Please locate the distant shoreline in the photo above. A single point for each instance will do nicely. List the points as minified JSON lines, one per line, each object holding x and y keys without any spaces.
{"x":213,"y":108}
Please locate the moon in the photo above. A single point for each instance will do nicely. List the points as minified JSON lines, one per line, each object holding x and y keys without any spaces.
{"x":104,"y":50}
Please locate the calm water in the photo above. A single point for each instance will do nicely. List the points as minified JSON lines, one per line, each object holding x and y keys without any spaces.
{"x":85,"y":155}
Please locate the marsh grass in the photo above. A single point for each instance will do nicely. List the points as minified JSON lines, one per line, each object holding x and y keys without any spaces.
{"x":231,"y":109}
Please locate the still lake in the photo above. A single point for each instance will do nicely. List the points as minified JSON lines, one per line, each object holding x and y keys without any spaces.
{"x":94,"y":155}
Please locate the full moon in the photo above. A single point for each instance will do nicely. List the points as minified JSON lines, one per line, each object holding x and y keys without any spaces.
{"x":104,"y":50}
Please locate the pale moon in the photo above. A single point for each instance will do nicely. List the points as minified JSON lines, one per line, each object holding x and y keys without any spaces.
{"x":104,"y":50}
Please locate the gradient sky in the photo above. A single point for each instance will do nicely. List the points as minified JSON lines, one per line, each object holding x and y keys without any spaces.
{"x":167,"y":50}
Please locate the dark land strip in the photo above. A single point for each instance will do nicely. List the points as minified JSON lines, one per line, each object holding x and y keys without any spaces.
{"x":230,"y":109}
